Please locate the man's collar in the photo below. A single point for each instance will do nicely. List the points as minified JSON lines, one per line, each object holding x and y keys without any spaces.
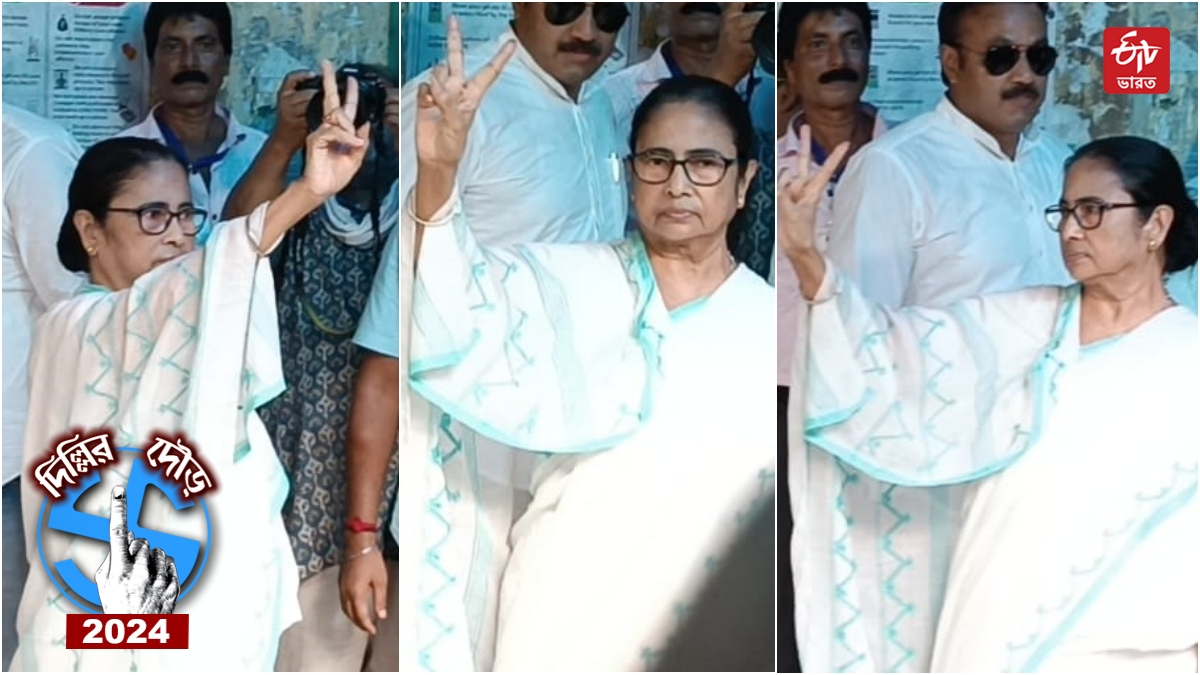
{"x":789,"y":143}
{"x":950,"y":112}
{"x":234,"y":132}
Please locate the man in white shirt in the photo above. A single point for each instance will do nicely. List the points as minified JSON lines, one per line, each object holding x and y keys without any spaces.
{"x":189,"y":45}
{"x":39,"y":161}
{"x":951,"y":204}
{"x":544,"y":159}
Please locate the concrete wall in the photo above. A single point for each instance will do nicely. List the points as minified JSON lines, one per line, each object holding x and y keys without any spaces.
{"x":272,"y":39}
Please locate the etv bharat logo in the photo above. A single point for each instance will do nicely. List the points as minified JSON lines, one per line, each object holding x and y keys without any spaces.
{"x":75,"y":466}
{"x":1137,"y":60}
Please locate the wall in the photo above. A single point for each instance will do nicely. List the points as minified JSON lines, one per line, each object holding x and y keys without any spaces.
{"x":1082,"y":111}
{"x":272,"y":39}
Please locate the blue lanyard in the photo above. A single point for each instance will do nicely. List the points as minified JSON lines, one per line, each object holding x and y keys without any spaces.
{"x":172,"y":141}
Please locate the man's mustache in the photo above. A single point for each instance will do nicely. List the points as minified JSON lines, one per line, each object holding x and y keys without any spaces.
{"x":838,"y":75}
{"x":1020,"y":90}
{"x":580,"y":47}
{"x":190,"y":76}
{"x":700,"y":8}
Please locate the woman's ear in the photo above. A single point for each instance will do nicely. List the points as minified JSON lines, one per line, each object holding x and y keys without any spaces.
{"x":1159,"y":225}
{"x":91,"y":232}
{"x":745,"y":181}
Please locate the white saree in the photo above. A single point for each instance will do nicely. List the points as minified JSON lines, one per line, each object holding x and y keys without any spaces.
{"x":654,"y":435}
{"x":192,"y":346}
{"x":1061,"y":531}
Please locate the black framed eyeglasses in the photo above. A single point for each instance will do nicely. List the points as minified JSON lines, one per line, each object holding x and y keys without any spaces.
{"x":609,"y":16}
{"x":703,"y":169}
{"x":1089,"y":213}
{"x":154,"y":219}
{"x":1003,"y":58}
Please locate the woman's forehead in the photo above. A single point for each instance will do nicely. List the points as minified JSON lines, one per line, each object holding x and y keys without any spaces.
{"x":686,"y":125}
{"x":1091,"y":176}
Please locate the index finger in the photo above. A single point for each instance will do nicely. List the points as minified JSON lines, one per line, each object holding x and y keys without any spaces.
{"x":488,"y":74}
{"x":454,"y":47}
{"x":118,"y":529}
{"x":329,"y":87}
{"x":804,"y":160}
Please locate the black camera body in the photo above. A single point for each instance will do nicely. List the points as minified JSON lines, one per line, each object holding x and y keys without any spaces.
{"x":372,"y":95}
{"x":763,"y":39}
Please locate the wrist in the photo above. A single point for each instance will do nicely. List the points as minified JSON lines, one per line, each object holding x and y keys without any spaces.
{"x":727,"y":75}
{"x":283,"y":145}
{"x":354,"y":542}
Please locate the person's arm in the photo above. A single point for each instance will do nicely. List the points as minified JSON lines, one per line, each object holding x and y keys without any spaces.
{"x":265,"y":179}
{"x":734,"y":58}
{"x":912,"y":396}
{"x":38,"y":189}
{"x":370,"y":444}
{"x":335,"y":153}
{"x":872,"y":238}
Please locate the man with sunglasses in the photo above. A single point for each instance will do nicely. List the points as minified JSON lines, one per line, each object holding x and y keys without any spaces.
{"x":543,"y":160}
{"x":950,"y":204}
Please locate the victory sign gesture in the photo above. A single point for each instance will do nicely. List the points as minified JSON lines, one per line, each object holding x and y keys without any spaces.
{"x":446,"y":104}
{"x":335,"y":151}
{"x":800,"y":192}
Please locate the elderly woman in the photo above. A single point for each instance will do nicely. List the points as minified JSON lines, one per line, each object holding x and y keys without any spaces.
{"x":1067,"y":417}
{"x":639,"y":371}
{"x":171,"y":339}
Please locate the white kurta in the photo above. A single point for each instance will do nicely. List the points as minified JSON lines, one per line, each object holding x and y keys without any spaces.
{"x":657,"y":434}
{"x":192,"y":346}
{"x":1062,"y":542}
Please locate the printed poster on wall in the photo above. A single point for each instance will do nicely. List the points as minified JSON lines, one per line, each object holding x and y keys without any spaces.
{"x":78,"y":64}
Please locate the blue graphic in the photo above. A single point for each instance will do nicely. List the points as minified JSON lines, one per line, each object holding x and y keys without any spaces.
{"x":65,"y":518}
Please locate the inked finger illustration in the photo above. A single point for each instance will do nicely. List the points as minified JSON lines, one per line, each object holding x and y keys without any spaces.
{"x":134,"y":578}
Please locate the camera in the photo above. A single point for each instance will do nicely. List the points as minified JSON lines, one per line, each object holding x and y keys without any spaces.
{"x":372,"y":94}
{"x":763,"y":39}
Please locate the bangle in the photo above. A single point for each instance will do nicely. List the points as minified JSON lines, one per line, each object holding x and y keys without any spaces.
{"x":412,"y":213}
{"x":257,"y":246}
{"x":360,"y":554}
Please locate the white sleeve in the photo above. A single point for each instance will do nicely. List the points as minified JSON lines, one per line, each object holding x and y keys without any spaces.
{"x":36,"y":205}
{"x":875,"y":219}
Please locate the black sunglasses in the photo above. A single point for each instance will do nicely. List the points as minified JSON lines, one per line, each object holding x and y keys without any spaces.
{"x":609,"y":16}
{"x":999,"y":60}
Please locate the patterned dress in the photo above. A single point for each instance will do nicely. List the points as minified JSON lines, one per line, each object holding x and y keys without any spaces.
{"x":753,"y":242}
{"x":323,"y":286}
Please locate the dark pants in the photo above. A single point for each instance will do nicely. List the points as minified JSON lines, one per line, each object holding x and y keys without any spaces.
{"x":787,"y":655}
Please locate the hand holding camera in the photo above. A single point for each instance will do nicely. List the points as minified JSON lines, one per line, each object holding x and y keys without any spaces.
{"x":372,"y":94}
{"x":735,"y":49}
{"x":291,"y":107}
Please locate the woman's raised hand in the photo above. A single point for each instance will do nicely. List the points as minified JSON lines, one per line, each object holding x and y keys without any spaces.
{"x":446,"y":104}
{"x":335,"y":151}
{"x":800,"y":192}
